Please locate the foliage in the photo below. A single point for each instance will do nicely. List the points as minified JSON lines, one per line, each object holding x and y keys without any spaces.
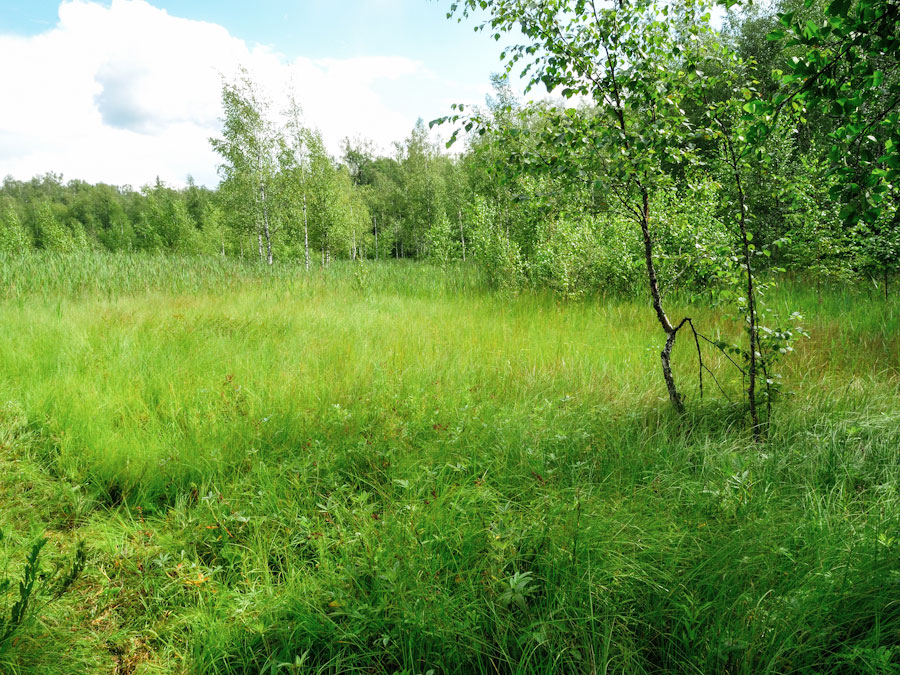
{"x":694,"y":241}
{"x":848,"y":67}
{"x":440,"y":241}
{"x":248,"y":147}
{"x":13,"y":236}
{"x":815,"y":239}
{"x":443,"y":468}
{"x":577,"y":257}
{"x":500,"y":257}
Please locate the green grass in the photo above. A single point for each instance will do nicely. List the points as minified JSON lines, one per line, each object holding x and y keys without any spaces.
{"x":384,"y":469}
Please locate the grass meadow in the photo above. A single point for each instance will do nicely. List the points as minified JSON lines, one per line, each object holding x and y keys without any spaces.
{"x":383,"y":468}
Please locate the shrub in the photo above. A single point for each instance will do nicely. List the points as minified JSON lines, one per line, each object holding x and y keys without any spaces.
{"x":499,"y":256}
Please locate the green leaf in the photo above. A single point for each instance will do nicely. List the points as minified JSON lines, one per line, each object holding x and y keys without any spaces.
{"x":838,"y":8}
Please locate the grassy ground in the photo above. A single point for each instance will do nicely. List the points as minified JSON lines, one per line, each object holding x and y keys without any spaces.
{"x":383,"y":469}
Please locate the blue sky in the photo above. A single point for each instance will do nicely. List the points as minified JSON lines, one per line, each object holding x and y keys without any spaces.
{"x":317,"y":28}
{"x":111,"y":78}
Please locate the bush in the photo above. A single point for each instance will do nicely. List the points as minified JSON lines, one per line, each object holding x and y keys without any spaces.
{"x":13,"y":236}
{"x":578,"y":256}
{"x":499,"y":256}
{"x":441,"y":246}
{"x":692,"y":240}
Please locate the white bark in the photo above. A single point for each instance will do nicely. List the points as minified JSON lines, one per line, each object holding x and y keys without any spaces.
{"x":462,"y":236}
{"x":305,"y":234}
{"x":266,"y":230}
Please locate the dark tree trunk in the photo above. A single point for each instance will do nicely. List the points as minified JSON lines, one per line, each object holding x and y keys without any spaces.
{"x":752,"y":319}
{"x":670,"y":330}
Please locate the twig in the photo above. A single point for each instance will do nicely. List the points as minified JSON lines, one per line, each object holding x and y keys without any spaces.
{"x":716,"y":345}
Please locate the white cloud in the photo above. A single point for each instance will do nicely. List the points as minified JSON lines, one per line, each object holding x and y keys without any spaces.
{"x":125,"y":92}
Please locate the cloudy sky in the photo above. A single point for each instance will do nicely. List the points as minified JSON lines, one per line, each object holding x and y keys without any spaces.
{"x":122,"y":91}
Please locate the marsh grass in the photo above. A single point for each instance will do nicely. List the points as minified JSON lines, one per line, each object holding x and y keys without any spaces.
{"x":393,"y":471}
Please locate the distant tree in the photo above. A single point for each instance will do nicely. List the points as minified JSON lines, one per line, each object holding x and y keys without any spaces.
{"x":359,"y":155}
{"x":295,"y":173}
{"x":440,"y":240}
{"x":421,"y":189}
{"x":248,"y":148}
{"x":213,"y":233}
{"x":168,"y":218}
{"x":51,"y":233}
{"x":13,"y":235}
{"x":321,"y":190}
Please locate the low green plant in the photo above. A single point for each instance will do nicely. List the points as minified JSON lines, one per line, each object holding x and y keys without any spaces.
{"x":36,"y":588}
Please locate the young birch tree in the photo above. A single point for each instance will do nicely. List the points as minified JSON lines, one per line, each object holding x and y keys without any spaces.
{"x":248,"y":148}
{"x":632,"y":60}
{"x":294,"y":162}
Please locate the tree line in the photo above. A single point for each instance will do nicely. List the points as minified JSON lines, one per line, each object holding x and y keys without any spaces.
{"x":283,"y":196}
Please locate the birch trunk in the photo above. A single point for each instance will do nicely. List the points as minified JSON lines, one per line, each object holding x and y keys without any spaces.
{"x":305,"y":234}
{"x":752,"y":365}
{"x":462,"y":235}
{"x":670,"y":330}
{"x":266,"y":230}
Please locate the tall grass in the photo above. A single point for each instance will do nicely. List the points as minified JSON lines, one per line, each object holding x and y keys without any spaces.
{"x":385,"y":469}
{"x":113,"y":275}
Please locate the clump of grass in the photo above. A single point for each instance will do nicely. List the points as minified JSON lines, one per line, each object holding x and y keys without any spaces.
{"x":397,"y":472}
